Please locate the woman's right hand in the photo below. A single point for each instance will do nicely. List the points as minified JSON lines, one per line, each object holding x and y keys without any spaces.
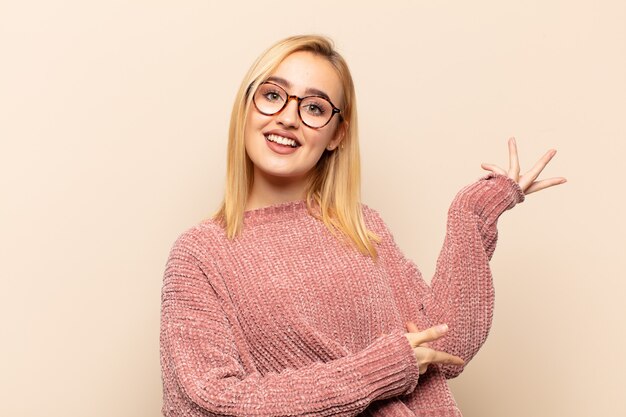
{"x":423,"y":353}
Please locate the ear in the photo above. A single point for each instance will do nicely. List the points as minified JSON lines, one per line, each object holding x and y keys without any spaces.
{"x":340,"y":134}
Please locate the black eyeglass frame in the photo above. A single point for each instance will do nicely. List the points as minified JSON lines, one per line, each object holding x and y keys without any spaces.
{"x":298,"y":101}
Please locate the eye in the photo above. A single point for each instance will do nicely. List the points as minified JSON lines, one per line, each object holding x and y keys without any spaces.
{"x":272,"y":95}
{"x":314,"y":109}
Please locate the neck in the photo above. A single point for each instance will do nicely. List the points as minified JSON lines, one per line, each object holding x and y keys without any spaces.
{"x":267,"y":191}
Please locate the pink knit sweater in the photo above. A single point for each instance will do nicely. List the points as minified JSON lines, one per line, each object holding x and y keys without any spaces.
{"x":287,"y":320}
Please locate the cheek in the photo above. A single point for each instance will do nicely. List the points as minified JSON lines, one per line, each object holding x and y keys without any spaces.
{"x":253,"y":127}
{"x":323,"y":138}
{"x":250,"y":123}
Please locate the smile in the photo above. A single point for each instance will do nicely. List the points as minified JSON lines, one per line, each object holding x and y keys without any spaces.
{"x":282,"y":140}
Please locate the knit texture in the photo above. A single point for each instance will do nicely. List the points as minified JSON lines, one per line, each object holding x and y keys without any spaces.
{"x":287,"y":320}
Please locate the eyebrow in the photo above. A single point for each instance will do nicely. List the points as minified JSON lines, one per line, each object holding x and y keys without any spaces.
{"x":309,"y":90}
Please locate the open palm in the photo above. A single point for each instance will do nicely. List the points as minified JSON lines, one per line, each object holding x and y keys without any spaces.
{"x":526,"y":181}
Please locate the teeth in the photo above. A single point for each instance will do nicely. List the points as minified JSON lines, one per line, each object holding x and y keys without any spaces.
{"x":282,"y":140}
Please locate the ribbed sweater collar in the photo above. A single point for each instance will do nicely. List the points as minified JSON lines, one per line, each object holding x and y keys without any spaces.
{"x":275,"y":212}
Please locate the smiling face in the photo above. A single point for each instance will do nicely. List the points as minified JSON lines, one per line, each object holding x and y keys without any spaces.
{"x":269,"y":140}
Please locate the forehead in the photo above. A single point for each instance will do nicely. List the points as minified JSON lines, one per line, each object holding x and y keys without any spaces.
{"x":304,"y":71}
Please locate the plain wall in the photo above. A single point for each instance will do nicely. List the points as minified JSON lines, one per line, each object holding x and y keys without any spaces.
{"x":113,"y":129}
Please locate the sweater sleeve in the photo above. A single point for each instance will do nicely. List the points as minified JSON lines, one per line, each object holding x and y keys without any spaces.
{"x":461,"y":293}
{"x":462,"y":286}
{"x":204,"y":375}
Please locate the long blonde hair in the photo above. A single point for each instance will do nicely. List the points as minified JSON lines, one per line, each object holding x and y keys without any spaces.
{"x":335,"y":182}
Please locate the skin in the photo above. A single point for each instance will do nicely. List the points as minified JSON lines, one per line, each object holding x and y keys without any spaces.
{"x":529,"y":184}
{"x":282,"y":178}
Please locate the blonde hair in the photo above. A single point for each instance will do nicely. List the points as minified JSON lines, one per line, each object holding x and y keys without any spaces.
{"x":335,"y":182}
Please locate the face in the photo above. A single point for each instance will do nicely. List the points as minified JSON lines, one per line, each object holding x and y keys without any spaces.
{"x":298,"y":74}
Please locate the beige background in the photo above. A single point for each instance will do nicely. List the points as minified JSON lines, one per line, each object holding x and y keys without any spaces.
{"x":113,"y":119}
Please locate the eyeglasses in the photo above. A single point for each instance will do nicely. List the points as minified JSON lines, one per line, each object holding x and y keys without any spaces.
{"x":314,"y":111}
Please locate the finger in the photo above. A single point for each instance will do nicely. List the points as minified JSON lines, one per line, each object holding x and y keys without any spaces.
{"x":513,"y":160}
{"x":430,"y":334}
{"x":529,"y":177}
{"x":493,"y":168}
{"x":543,"y":184}
{"x":425,"y":356}
{"x":411,"y":327}
{"x":423,"y":369}
{"x":446,"y":359}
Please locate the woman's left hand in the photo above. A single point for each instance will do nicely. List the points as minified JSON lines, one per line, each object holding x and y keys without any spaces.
{"x":527,"y":181}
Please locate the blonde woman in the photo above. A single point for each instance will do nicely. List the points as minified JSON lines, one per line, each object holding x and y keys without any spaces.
{"x":294,"y":299}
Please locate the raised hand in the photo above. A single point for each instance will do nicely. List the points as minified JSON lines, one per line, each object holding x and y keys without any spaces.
{"x":526,"y":181}
{"x":423,"y":353}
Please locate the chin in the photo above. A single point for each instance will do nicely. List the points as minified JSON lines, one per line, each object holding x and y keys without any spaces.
{"x":282,"y":174}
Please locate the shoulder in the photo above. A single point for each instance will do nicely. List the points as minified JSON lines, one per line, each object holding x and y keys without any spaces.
{"x":387,"y":247}
{"x":198,"y":240}
{"x":370,"y":214}
{"x":374,"y":221}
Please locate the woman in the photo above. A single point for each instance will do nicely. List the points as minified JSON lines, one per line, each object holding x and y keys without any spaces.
{"x":294,"y":298}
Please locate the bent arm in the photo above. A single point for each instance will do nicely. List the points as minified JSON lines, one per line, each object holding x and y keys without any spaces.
{"x":462,"y":286}
{"x":203,"y":374}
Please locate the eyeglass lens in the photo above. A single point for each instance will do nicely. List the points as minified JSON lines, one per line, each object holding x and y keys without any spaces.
{"x":314,"y":111}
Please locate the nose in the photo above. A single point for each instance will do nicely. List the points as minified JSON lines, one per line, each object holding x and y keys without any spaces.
{"x":288,"y":116}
